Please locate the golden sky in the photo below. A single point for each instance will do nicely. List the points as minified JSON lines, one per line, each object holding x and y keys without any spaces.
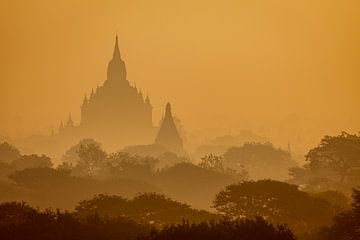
{"x":236,"y":63}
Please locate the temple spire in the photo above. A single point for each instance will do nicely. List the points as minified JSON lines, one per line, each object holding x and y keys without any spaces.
{"x":61,"y":127}
{"x":147,"y":100}
{"x":168,"y":111}
{"x":116,"y":69}
{"x":168,"y":135}
{"x":116,"y":53}
{"x":69,"y":122}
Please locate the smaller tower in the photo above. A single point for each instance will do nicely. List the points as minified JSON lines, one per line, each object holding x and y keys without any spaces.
{"x":168,"y":136}
{"x":69,"y":122}
{"x":147,"y":100}
{"x":61,"y":127}
{"x":141,"y":96}
{"x":85,"y":101}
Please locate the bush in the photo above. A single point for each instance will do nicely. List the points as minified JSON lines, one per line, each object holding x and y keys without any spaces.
{"x":247,"y":229}
{"x":19,"y":221}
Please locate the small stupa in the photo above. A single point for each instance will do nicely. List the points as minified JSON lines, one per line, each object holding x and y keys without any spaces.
{"x":168,"y":135}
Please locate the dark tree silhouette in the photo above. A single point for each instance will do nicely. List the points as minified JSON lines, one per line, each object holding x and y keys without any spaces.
{"x":148,"y":208}
{"x":257,"y":229}
{"x":103,"y":205}
{"x":338,"y":200}
{"x":19,"y":221}
{"x":347,"y":224}
{"x":40,"y":178}
{"x":276,"y":201}
{"x":32,"y":161}
{"x":58,"y":188}
{"x":340,"y":154}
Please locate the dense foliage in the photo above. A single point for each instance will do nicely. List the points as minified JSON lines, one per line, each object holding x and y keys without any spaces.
{"x":260,"y":160}
{"x":122,"y":199}
{"x":247,"y":229}
{"x":276,"y":201}
{"x":19,"y":221}
{"x":149,"y":208}
{"x":333,"y":165}
{"x":347,"y":224}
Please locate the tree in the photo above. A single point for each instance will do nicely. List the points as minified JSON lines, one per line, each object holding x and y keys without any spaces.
{"x":212,"y":162}
{"x":19,"y":221}
{"x":103,"y":205}
{"x":8,"y":153}
{"x":260,"y":160}
{"x":91,"y":159}
{"x":71,"y":156}
{"x":216,"y":163}
{"x":347,"y":224}
{"x":122,"y":164}
{"x":339,"y":154}
{"x":32,"y":161}
{"x":192,"y":184}
{"x":337,"y":199}
{"x":40,"y":178}
{"x":225,"y":229}
{"x":275,"y":201}
{"x":147,"y":208}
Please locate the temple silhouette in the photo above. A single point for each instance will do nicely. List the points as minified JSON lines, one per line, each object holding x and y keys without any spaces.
{"x":117,"y":114}
{"x":168,"y":135}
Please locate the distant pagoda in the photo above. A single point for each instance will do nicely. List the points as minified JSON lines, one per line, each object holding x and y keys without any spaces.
{"x":168,"y":135}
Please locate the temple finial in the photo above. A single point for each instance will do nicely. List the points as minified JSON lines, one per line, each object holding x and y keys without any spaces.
{"x":116,"y":53}
{"x":168,"y":110}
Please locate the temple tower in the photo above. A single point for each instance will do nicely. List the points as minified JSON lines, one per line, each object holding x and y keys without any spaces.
{"x":168,"y":135}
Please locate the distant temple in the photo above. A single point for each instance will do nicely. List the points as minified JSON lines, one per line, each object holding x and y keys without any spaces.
{"x":115,"y":113}
{"x":168,"y":136}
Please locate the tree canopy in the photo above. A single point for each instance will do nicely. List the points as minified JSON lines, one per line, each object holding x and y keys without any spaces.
{"x":225,"y":229}
{"x":147,"y":208}
{"x":260,"y":160}
{"x":347,"y":224}
{"x":339,"y":154}
{"x":32,"y":161}
{"x":19,"y":221}
{"x":276,"y":201}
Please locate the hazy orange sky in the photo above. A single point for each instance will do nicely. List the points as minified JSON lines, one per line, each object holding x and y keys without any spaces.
{"x":237,"y":63}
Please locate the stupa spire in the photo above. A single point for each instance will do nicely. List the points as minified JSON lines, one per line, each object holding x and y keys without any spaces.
{"x":168,"y":135}
{"x":147,"y":100}
{"x":116,"y":53}
{"x":116,"y":68}
{"x":69,"y":122}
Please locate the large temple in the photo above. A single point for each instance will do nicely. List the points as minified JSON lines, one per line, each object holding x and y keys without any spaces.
{"x":116,"y":113}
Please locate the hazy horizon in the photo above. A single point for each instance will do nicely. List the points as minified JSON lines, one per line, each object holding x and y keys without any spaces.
{"x":192,"y":119}
{"x":233,"y":65}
